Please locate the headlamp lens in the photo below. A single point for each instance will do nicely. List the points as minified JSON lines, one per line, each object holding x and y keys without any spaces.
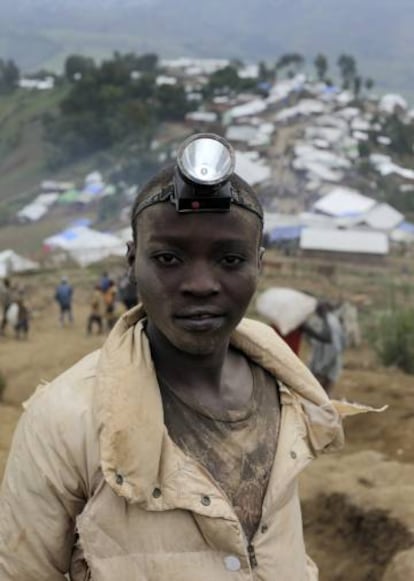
{"x":206,"y":159}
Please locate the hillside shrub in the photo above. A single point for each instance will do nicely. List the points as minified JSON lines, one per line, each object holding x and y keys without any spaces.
{"x":393,"y":339}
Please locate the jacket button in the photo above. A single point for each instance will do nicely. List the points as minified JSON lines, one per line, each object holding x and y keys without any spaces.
{"x":205,"y":500}
{"x":119,"y":479}
{"x":232,"y":563}
{"x":264,"y":529}
{"x":156,"y":493}
{"x":293,"y":454}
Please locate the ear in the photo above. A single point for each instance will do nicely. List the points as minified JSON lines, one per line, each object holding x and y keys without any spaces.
{"x":130,"y":254}
{"x":261,"y":254}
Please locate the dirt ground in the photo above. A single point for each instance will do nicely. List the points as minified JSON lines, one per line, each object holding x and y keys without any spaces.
{"x":338,"y":534}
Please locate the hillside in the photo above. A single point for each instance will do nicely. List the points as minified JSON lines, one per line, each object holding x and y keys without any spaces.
{"x":40,"y":33}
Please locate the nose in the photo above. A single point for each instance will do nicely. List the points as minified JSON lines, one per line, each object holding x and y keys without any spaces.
{"x":200,"y":280}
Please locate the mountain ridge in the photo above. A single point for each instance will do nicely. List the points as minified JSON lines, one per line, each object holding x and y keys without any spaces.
{"x":377,"y":33}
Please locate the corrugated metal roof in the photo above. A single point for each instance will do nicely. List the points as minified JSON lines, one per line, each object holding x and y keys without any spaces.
{"x":351,"y":241}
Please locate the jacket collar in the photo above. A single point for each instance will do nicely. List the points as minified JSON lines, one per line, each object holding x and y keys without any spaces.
{"x":129,"y":410}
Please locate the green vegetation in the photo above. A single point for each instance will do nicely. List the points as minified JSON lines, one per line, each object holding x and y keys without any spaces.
{"x":9,"y":76}
{"x":117,"y":101}
{"x":393,"y":339}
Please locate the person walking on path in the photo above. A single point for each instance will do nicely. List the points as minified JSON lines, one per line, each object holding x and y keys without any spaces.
{"x":6,"y":299}
{"x":109,"y":297}
{"x":21,"y":327}
{"x":63,"y":296}
{"x":326,"y":357}
{"x":97,"y":311}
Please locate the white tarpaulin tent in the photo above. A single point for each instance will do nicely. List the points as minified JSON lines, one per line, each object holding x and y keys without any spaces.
{"x":85,"y":245}
{"x":350,"y":241}
{"x":11,"y":262}
{"x":344,"y":202}
{"x":383,"y":217}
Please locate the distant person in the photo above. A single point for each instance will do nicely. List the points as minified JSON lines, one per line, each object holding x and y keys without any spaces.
{"x":326,"y":357}
{"x":97,"y":311}
{"x":315,"y":327}
{"x":104,"y":282}
{"x":21,"y":327}
{"x":110,"y":304}
{"x":6,"y":295}
{"x":63,"y":296}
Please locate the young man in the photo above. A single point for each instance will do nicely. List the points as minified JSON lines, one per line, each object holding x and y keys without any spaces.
{"x":172,"y":454}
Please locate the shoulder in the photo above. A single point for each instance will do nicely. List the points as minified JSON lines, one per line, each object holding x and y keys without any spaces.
{"x":61,"y":413}
{"x":260,"y":334}
{"x":71,"y":390}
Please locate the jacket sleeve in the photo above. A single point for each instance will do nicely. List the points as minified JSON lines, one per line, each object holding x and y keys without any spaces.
{"x":41,"y":495}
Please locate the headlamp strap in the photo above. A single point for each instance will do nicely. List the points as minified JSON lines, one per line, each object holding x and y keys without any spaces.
{"x":167,"y":194}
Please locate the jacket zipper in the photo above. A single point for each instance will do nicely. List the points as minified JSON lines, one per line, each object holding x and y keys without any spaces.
{"x":252,"y":556}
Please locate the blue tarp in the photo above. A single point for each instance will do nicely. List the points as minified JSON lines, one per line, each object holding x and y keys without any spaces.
{"x":406,"y":227}
{"x":80,"y":222}
{"x":285,"y":233}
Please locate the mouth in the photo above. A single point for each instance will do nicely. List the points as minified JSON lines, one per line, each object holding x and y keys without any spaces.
{"x":200,"y":320}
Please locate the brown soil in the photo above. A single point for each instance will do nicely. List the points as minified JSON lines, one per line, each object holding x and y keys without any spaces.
{"x":348,"y":542}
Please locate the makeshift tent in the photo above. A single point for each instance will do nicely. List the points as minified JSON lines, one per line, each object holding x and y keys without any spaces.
{"x":85,"y":245}
{"x":344,"y":202}
{"x":383,"y":217}
{"x":403,"y":233}
{"x":346,"y":241}
{"x":11,"y":262}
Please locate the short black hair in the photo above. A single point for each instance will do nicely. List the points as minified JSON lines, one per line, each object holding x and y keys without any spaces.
{"x":164,"y":178}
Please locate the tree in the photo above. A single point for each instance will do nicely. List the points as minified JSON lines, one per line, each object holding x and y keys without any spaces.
{"x":357,"y":82}
{"x":172,"y":102}
{"x":348,"y":70}
{"x":321,"y":66}
{"x":224,"y":80}
{"x":292,"y":62}
{"x":77,"y":66}
{"x":9,"y":76}
{"x":266,"y":74}
{"x":369,"y":83}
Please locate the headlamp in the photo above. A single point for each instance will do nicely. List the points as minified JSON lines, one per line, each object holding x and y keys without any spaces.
{"x":205,"y":163}
{"x":201,"y":180}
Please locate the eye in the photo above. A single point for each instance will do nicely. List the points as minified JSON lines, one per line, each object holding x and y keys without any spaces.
{"x":166,"y":259}
{"x":232,"y":260}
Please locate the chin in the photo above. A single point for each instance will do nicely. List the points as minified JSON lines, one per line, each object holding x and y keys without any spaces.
{"x":197,"y":345}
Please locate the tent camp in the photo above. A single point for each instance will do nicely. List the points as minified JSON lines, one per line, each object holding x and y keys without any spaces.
{"x":85,"y":245}
{"x":11,"y":262}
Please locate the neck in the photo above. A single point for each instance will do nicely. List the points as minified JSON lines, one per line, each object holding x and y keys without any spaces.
{"x":187,"y":370}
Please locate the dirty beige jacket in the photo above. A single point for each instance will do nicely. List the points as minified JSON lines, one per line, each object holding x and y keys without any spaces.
{"x":95,"y":487}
